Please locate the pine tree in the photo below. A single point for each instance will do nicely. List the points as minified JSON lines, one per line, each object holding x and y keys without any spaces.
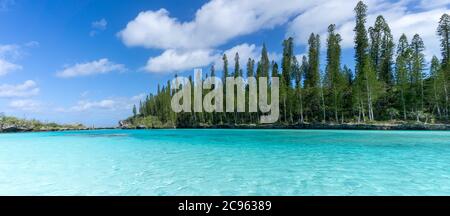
{"x":298,"y":71}
{"x":417,"y":73}
{"x":333,"y":76}
{"x":435,"y":91}
{"x":286,"y":75}
{"x":365,"y":73}
{"x":265,"y":62}
{"x":134,"y":111}
{"x":237,"y":73}
{"x":250,"y":73}
{"x":444,"y":34}
{"x":381,"y":50}
{"x":224,"y":81}
{"x":403,"y":57}
{"x":312,"y":78}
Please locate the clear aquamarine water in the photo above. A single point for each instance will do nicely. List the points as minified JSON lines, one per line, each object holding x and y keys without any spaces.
{"x":225,"y":162}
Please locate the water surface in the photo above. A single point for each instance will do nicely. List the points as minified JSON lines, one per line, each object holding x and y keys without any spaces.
{"x":225,"y":162}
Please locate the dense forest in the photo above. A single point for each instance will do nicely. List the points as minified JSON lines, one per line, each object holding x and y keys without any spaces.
{"x":390,"y":82}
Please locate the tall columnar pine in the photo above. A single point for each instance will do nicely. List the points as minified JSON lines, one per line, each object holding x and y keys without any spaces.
{"x":265,"y":62}
{"x":402,"y":71}
{"x":367,"y":83}
{"x":286,"y":76}
{"x":444,"y":34}
{"x":237,"y":73}
{"x":304,"y":68}
{"x":333,"y":77}
{"x":250,"y":73}
{"x":435,"y":93}
{"x":312,"y":79}
{"x":382,"y":50}
{"x":417,"y":74}
{"x":224,"y":78}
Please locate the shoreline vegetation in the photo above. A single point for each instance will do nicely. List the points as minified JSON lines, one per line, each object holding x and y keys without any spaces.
{"x":14,"y":125}
{"x":128,"y":125}
{"x":392,"y":87}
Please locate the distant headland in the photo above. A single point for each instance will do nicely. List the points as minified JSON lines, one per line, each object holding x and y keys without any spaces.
{"x":13,"y":125}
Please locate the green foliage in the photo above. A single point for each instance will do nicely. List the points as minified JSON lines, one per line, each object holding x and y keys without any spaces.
{"x":379,"y":89}
{"x":34,"y":125}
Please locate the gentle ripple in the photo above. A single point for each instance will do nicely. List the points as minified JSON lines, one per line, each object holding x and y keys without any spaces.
{"x":225,"y":162}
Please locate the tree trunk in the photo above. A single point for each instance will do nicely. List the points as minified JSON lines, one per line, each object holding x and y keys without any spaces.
{"x":404,"y":105}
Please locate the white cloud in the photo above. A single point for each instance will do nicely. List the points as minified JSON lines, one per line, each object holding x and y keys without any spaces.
{"x":27,"y":89}
{"x":107,"y":104}
{"x":98,"y":26}
{"x":245,"y":51}
{"x":9,"y":51}
{"x":25,"y":105}
{"x":424,"y":24}
{"x":86,"y":105}
{"x":173,"y":60}
{"x":214,"y":24}
{"x":7,"y":67}
{"x":32,"y":44}
{"x":138,"y":97}
{"x":101,"y":66}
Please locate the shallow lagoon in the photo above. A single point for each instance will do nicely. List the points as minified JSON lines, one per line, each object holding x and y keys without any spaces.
{"x":225,"y":162}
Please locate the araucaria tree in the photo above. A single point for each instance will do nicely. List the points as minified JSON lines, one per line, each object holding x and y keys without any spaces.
{"x":444,"y":34}
{"x":368,"y":87}
{"x":312,"y":79}
{"x":334,"y":79}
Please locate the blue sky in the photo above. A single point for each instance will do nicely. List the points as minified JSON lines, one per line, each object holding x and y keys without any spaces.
{"x":88,"y":61}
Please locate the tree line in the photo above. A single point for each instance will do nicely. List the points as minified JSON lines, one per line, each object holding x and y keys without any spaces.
{"x":390,"y":82}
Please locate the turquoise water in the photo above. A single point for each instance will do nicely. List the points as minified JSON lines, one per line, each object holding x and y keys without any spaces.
{"x":225,"y":162}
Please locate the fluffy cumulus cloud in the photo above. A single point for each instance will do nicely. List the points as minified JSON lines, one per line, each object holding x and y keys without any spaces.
{"x":101,"y":66}
{"x":218,"y":21}
{"x":215,"y":23}
{"x":192,"y":43}
{"x":27,"y":89}
{"x":174,"y":60}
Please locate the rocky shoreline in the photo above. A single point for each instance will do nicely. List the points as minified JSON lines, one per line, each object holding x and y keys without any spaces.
{"x":349,"y":126}
{"x":14,"y":129}
{"x":316,"y":126}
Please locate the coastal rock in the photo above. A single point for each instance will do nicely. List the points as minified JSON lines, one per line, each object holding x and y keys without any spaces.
{"x":14,"y":129}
